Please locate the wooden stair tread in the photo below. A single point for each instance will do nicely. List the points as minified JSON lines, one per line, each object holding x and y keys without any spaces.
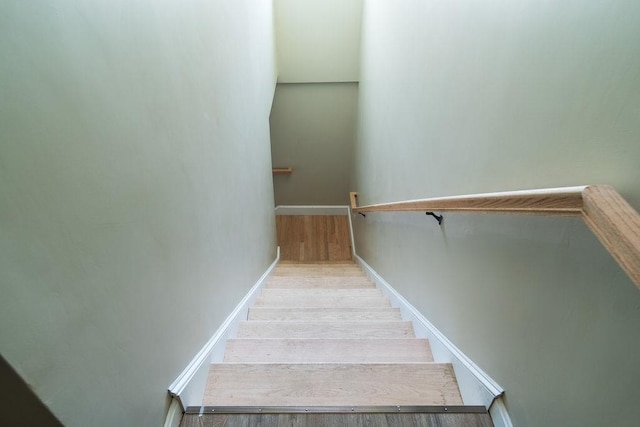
{"x":317,"y":263}
{"x":313,"y":293}
{"x":410,"y":350}
{"x":318,"y":274}
{"x":318,"y":270}
{"x":322,"y":301}
{"x":335,"y":330}
{"x":324,"y":314}
{"x":331,"y":264}
{"x":294,"y":282}
{"x":321,"y":267}
{"x":231,"y":384}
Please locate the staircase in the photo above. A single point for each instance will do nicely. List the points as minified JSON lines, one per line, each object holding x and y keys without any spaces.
{"x":323,"y":335}
{"x":323,"y":346}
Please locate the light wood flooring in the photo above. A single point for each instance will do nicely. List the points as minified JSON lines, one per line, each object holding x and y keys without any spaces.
{"x":312,"y":238}
{"x":323,"y":335}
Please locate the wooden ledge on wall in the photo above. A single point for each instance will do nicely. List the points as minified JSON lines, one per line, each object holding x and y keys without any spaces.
{"x":282,"y":171}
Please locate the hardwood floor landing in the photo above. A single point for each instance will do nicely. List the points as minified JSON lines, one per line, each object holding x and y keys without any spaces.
{"x":314,"y":237}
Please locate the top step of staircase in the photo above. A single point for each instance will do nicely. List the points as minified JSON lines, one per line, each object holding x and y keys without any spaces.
{"x":319,"y":270}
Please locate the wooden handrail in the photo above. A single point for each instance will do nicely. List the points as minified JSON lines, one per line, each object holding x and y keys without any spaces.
{"x":605,"y":212}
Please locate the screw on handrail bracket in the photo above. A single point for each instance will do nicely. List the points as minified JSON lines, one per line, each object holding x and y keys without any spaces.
{"x":438,"y":218}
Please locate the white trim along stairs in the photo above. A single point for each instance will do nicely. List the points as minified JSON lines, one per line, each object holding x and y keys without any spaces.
{"x":475,"y":387}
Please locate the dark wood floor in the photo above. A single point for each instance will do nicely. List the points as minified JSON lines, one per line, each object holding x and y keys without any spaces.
{"x":314,"y":238}
{"x":351,"y":420}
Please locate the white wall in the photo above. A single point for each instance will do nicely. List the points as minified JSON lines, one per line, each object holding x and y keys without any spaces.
{"x":313,"y":131}
{"x":460,"y":97}
{"x":136,"y":199}
{"x":318,"y":40}
{"x":510,"y":94}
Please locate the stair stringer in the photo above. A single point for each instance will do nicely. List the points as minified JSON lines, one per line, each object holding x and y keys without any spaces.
{"x":476,"y":387}
{"x":188,"y":388}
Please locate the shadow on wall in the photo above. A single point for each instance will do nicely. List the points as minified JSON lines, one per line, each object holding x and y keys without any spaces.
{"x":20,"y":405}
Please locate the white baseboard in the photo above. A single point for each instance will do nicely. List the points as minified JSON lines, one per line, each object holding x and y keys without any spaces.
{"x":499,"y":414}
{"x":476,"y":387}
{"x":189,"y":387}
{"x":174,"y":416}
{"x":312,"y":210}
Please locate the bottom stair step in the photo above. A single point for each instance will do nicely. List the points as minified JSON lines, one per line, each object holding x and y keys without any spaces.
{"x":231,"y":384}
{"x":352,"y":420}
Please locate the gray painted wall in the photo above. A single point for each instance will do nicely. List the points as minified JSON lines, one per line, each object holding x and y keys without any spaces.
{"x":460,"y":97}
{"x":136,"y":200}
{"x":313,"y":131}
